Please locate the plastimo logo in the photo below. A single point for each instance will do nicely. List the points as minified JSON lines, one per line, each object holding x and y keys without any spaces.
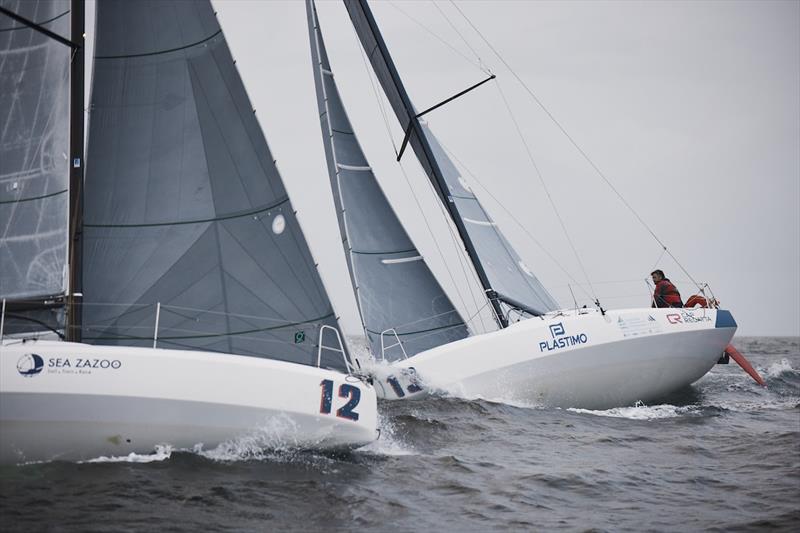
{"x":561,"y":339}
{"x":30,"y":365}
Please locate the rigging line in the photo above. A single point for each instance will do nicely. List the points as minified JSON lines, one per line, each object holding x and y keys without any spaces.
{"x":575,"y":144}
{"x":455,"y":29}
{"x":479,"y":66}
{"x":425,"y":319}
{"x":430,"y":232}
{"x":467,"y":272}
{"x":516,"y":221}
{"x":546,"y":190}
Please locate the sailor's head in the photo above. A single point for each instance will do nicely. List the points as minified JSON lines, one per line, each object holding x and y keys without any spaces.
{"x":657,"y":275}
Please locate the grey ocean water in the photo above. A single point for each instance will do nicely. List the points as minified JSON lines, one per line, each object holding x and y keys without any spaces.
{"x":723,"y":455}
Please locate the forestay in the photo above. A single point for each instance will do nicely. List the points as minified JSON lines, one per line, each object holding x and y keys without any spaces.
{"x":184,"y":204}
{"x":393,"y":284}
{"x":34,"y":148}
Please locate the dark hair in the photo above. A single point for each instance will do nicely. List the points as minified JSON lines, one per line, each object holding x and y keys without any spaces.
{"x":659,"y":272}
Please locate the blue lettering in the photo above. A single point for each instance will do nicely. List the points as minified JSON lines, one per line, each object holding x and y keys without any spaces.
{"x":563,"y":342}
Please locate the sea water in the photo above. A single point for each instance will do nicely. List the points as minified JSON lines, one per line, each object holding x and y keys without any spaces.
{"x":722,"y":455}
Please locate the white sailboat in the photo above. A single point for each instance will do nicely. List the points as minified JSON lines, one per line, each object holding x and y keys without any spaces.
{"x":589,"y":358}
{"x":203,"y":318}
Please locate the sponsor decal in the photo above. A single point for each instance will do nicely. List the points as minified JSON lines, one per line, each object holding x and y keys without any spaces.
{"x":80,"y":365}
{"x":30,"y":365}
{"x":638,"y":325}
{"x":687,"y":317}
{"x":561,"y":339}
{"x":690,"y":317}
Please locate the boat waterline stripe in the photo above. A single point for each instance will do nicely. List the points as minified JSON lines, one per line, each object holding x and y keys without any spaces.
{"x":184,"y":222}
{"x":24,"y":27}
{"x":34,"y":197}
{"x":352,"y":167}
{"x":384,"y":253}
{"x":479,"y":222}
{"x":211,"y":335}
{"x":401,"y":260}
{"x":162,"y":51}
{"x":448,"y":326}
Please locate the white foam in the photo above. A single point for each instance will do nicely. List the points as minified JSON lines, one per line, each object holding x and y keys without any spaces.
{"x":161,"y":453}
{"x":640,"y":411}
{"x":779,"y":367}
{"x":388,"y":443}
{"x":277,"y":435}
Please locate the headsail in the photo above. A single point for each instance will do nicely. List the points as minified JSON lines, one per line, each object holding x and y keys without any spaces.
{"x":506,"y":271}
{"x":34,"y":150}
{"x":393,"y":284}
{"x":481,"y":246}
{"x":184,"y":204}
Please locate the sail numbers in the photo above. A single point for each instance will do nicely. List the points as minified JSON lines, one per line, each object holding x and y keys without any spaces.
{"x":351,"y":392}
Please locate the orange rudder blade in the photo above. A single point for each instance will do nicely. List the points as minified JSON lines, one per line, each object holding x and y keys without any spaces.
{"x":745,"y":364}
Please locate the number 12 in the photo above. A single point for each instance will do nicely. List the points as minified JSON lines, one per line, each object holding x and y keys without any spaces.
{"x":351,"y":392}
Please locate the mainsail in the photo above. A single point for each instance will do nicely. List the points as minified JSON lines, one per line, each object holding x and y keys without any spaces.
{"x":394,"y":286}
{"x":498,"y":267}
{"x":34,"y":150}
{"x":184,"y":206}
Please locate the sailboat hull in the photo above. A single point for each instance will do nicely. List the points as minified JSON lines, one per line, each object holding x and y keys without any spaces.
{"x":578,"y":359}
{"x":71,"y":401}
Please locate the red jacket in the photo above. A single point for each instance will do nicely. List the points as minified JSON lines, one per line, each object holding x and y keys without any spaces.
{"x":666,"y":295}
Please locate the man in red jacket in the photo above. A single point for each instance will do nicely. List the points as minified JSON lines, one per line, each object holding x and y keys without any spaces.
{"x":665,"y":295}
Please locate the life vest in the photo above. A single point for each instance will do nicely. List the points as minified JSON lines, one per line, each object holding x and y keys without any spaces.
{"x":666,"y":295}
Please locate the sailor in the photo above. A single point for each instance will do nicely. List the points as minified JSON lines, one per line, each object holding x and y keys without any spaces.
{"x":665,"y":295}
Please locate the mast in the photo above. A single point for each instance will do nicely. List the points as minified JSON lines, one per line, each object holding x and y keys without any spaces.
{"x":359,"y":9}
{"x":73,"y":319}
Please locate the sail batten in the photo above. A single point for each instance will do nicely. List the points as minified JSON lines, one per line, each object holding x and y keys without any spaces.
{"x":185,"y":209}
{"x":392,"y":292}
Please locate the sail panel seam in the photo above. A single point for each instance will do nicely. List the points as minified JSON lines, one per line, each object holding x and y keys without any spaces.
{"x":160,"y":52}
{"x":184,"y":222}
{"x":23,"y":27}
{"x":31,"y":199}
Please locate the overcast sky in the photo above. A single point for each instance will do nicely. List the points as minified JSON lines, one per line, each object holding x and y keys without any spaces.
{"x":691,"y":109}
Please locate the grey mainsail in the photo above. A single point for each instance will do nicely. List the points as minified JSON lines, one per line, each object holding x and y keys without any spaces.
{"x":394,"y":287}
{"x":497,"y":265}
{"x":184,"y":205}
{"x":34,"y":148}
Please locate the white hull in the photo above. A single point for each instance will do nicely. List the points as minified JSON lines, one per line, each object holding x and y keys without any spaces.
{"x":575,"y":359}
{"x":78,"y":401}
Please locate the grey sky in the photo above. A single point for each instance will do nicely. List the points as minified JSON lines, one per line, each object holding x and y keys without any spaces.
{"x":692,"y":110}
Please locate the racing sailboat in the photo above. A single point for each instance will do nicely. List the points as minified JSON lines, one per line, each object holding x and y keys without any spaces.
{"x":187,"y":302}
{"x":591,"y":358}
